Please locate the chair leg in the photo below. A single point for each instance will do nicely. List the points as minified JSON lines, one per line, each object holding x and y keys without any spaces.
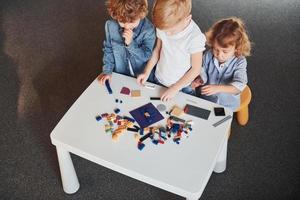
{"x":243,"y":116}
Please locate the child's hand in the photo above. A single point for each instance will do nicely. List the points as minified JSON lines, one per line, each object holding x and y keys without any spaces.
{"x":210,"y":90}
{"x":127,"y":35}
{"x":197,"y":82}
{"x":169,"y":94}
{"x":103,"y":77}
{"x":142,"y":78}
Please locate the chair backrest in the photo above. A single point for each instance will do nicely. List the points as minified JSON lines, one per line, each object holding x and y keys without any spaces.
{"x":246,"y":96}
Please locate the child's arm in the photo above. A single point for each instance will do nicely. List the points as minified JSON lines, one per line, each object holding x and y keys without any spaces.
{"x":214,"y":89}
{"x":108,"y":57}
{"x":144,"y":51}
{"x":142,"y":78}
{"x":186,"y":79}
{"x":237,"y":85}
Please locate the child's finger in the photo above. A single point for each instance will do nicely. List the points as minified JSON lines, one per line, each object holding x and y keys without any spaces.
{"x":125,"y":35}
{"x":205,"y":87}
{"x":104,"y":79}
{"x":101,"y":80}
{"x":129,"y":31}
{"x":204,"y":91}
{"x":162,"y":97}
{"x":142,"y":80}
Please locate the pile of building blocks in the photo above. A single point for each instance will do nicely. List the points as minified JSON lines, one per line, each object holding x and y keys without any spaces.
{"x":176,"y":128}
{"x":122,"y":123}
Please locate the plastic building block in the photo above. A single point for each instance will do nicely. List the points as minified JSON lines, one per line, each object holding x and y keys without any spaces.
{"x":145,"y":137}
{"x":197,"y":111}
{"x":177,"y":119}
{"x":117,"y":110}
{"x":137,"y":137}
{"x":141,"y":146}
{"x":141,"y":131}
{"x":135,"y":126}
{"x":155,"y":98}
{"x":176,"y":111}
{"x":115,"y":137}
{"x":155,"y":142}
{"x":125,"y":90}
{"x":135,"y":93}
{"x":149,"y":86}
{"x":132,"y":129}
{"x":108,"y":87}
{"x":222,"y":120}
{"x":129,"y":119}
{"x":161,"y":107}
{"x":98,"y":117}
{"x":104,"y":115}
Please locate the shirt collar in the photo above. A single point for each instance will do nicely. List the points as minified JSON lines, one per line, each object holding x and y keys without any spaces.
{"x":223,"y":65}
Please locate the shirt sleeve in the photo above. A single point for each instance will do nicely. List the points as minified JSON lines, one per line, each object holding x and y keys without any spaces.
{"x":240,"y":75}
{"x":203,"y":73}
{"x":108,"y":56}
{"x":197,"y":44}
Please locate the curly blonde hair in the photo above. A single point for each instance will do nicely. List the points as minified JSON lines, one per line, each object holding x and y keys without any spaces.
{"x":227,"y":32}
{"x":127,"y":10}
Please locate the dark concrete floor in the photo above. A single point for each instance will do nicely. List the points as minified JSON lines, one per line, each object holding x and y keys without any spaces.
{"x":50,"y":51}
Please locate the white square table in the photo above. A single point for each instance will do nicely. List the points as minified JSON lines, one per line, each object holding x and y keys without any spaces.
{"x":183,"y":169}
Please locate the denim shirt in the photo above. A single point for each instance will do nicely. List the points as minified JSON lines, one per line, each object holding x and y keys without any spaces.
{"x":232,"y":72}
{"x":117,"y":55}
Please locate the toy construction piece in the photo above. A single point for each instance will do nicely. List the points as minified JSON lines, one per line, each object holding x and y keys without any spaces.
{"x":135,"y":93}
{"x":125,"y":91}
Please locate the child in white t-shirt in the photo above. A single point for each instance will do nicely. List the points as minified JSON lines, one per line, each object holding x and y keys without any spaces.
{"x":178,"y":50}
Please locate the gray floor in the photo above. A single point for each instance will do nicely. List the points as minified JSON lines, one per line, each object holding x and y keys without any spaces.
{"x":51,"y":50}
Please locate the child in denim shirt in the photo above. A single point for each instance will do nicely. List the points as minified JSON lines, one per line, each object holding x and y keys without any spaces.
{"x":130,"y":38}
{"x":224,"y":70}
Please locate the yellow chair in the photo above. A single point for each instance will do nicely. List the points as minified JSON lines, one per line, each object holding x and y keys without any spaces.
{"x":242,"y":113}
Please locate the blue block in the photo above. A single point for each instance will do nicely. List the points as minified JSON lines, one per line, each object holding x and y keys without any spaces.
{"x":108,"y":87}
{"x":141,"y":131}
{"x":155,"y":142}
{"x":98,"y":118}
{"x":141,"y":146}
{"x":176,"y":140}
{"x":117,"y":110}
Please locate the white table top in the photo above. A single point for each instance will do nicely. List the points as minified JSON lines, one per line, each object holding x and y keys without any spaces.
{"x":183,"y":169}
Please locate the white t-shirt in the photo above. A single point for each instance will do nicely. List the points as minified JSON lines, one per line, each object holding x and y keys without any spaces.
{"x":176,"y":51}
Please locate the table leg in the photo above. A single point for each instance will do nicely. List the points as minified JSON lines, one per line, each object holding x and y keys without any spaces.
{"x":222,"y":158}
{"x":68,"y":174}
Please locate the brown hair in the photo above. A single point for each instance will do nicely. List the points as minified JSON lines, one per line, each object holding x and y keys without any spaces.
{"x":127,"y":10}
{"x":227,"y":32}
{"x":167,"y":13}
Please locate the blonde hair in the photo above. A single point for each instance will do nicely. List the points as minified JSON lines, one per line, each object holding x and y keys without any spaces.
{"x":167,"y":13}
{"x":227,"y":32}
{"x":127,"y":10}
